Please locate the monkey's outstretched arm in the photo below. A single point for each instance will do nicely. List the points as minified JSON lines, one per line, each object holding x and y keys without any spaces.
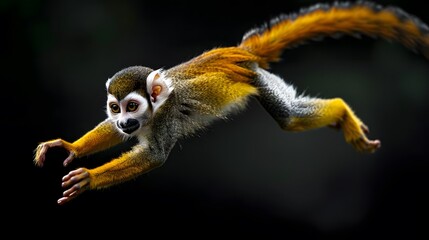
{"x":128,"y":166}
{"x":299,"y":113}
{"x":103,"y":136}
{"x":150,"y":153}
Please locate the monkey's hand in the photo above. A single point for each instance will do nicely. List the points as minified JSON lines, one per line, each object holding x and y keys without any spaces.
{"x":42,"y":149}
{"x":77,"y":182}
{"x":103,"y":136}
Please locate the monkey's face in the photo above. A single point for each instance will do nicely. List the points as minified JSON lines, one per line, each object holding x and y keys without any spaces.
{"x":127,"y":99}
{"x":134,"y":95}
{"x":130,"y":113}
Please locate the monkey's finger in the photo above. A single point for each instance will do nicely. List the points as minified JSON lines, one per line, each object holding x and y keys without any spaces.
{"x":75,"y":176}
{"x":364,"y":128}
{"x":73,"y":190}
{"x":69,"y":159}
{"x":73,"y":173}
{"x":371,"y":146}
{"x":70,"y":197}
{"x":63,"y":200}
{"x":77,"y":189}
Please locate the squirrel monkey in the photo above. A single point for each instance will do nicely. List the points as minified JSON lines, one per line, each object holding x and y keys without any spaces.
{"x":158,"y":107}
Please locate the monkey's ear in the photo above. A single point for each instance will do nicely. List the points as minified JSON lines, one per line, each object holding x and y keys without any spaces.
{"x":159,"y":88}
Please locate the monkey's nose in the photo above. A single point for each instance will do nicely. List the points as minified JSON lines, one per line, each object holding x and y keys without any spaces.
{"x":129,"y":126}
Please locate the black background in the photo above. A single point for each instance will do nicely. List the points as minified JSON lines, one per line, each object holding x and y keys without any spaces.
{"x":244,"y":177}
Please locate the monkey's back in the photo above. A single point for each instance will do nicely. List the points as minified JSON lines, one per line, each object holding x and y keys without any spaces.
{"x":215,"y":82}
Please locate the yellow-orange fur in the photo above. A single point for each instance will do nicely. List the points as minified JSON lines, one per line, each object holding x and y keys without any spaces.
{"x":232,"y":61}
{"x":219,"y":77}
{"x":127,"y":166}
{"x":101,"y":137}
{"x":355,"y":19}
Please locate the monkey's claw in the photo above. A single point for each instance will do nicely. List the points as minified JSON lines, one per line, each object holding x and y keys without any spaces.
{"x":364,"y":128}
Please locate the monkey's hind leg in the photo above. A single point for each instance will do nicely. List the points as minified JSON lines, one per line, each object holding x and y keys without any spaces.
{"x":300,"y":113}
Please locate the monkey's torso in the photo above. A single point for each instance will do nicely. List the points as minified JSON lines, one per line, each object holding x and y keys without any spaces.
{"x":211,"y":86}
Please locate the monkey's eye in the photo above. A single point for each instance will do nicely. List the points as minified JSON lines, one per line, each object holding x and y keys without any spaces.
{"x":114,"y":108}
{"x":132,"y":106}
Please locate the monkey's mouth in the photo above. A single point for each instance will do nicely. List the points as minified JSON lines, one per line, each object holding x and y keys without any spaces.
{"x":129,"y":126}
{"x":129,"y":130}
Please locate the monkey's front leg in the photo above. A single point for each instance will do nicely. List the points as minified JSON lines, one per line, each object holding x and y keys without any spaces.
{"x":103,"y":136}
{"x":128,"y":166}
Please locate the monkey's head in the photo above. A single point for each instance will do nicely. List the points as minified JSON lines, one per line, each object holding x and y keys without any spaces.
{"x":134,"y":96}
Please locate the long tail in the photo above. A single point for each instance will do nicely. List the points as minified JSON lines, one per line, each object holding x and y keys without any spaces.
{"x":322,"y":20}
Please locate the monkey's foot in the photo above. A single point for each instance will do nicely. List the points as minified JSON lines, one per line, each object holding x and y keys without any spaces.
{"x":362,"y":144}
